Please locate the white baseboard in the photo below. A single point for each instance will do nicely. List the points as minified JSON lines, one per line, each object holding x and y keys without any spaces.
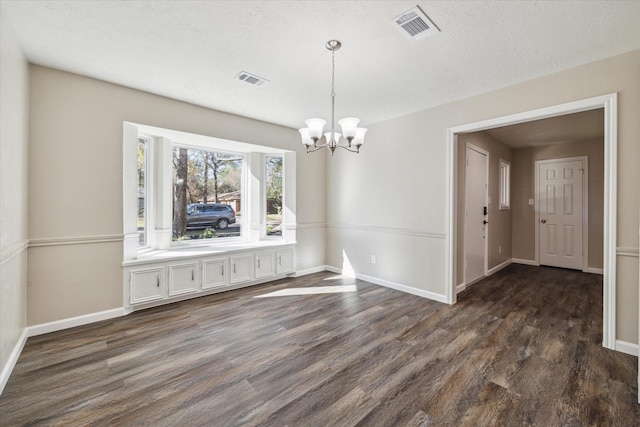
{"x":523,"y":261}
{"x":333,"y":269}
{"x":499,"y":267}
{"x":13,"y":359}
{"x":461,"y":287}
{"x":58,"y":325}
{"x":408,"y":289}
{"x":594,"y":270}
{"x":311,"y":270}
{"x":626,"y":347}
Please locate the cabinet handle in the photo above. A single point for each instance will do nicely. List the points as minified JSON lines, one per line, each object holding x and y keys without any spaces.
{"x":258,"y":263}
{"x":234,"y":268}
{"x":222,"y":270}
{"x":192,"y":275}
{"x":279,"y":259}
{"x":158,"y":281}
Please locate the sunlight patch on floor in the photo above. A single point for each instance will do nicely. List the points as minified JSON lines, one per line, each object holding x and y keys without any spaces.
{"x":311,"y":290}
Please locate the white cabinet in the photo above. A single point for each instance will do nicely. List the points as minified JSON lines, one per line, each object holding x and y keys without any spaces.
{"x":284,"y":261}
{"x":265,"y":264}
{"x":174,"y":275}
{"x":214,"y":273}
{"x":241,"y":268}
{"x":182,"y":278}
{"x":146,"y":285}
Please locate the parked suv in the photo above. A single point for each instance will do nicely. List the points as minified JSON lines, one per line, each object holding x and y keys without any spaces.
{"x":210,"y":215}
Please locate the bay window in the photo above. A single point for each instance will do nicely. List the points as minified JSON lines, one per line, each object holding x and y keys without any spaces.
{"x":189,"y":190}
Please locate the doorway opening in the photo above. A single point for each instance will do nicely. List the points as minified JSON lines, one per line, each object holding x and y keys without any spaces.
{"x":608,"y":104}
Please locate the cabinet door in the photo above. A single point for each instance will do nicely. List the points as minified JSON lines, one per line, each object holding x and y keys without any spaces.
{"x":265,"y":264}
{"x":241,"y":268}
{"x":284,"y":261}
{"x":214,"y":273}
{"x":182,"y":279}
{"x":146,"y":285}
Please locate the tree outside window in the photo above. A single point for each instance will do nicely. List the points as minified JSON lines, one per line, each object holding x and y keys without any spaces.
{"x":208,"y":178}
{"x":142,"y":192}
{"x":274,"y":199}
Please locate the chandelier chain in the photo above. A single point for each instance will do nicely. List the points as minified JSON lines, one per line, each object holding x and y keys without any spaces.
{"x":333,"y":94}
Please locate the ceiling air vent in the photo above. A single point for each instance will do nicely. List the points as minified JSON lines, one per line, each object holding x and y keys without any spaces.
{"x":414,"y":24}
{"x":251,"y":79}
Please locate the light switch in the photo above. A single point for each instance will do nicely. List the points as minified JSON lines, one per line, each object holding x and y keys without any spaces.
{"x":530,"y":202}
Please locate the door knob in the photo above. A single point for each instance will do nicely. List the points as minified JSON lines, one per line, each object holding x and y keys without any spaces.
{"x":544,"y":221}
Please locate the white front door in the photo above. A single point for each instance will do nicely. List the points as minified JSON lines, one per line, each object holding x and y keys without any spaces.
{"x":560,"y":203}
{"x":475,"y":223}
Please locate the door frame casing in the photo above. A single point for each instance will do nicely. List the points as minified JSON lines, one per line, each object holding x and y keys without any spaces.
{"x":585,"y":207}
{"x":485,"y":248}
{"x":607,"y":102}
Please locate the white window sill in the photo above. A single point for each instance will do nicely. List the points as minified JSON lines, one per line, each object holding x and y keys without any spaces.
{"x":202,"y":251}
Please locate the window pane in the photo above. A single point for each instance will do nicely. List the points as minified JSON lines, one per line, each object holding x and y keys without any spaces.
{"x":142,"y":192}
{"x":274,"y":196}
{"x":207,"y":194}
{"x":505,"y":178}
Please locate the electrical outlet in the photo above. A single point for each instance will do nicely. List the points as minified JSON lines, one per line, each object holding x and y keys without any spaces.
{"x":530,"y":202}
{"x":373,"y":259}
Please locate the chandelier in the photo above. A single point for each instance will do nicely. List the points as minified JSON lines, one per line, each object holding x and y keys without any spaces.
{"x":352,"y":136}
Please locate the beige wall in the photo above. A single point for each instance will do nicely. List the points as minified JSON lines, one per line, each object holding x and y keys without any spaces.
{"x":523,"y":169}
{"x":499,"y":235}
{"x":405,"y":161}
{"x":14,"y":109}
{"x":75,"y":185}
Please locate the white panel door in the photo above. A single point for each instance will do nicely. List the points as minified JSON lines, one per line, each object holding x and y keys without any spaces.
{"x":560,"y":197}
{"x":475,"y":223}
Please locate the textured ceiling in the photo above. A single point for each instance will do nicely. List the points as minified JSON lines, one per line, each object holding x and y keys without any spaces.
{"x":192,"y":50}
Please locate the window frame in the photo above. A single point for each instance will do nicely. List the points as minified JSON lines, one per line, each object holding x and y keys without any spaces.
{"x":265,"y":159}
{"x":504,"y":187}
{"x":145,"y":163}
{"x":177,"y":244}
{"x":159,"y":192}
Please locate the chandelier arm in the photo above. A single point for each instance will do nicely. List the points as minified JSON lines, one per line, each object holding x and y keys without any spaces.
{"x":319,"y":147}
{"x":348,"y":149}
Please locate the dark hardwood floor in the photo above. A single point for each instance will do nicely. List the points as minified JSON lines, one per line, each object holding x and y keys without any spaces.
{"x":522,"y":347}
